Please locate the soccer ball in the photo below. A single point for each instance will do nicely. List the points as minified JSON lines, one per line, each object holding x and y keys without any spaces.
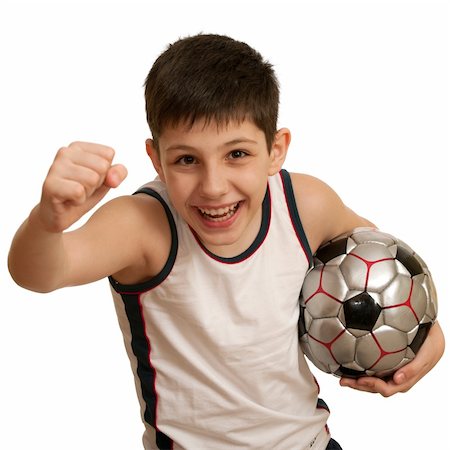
{"x":367,"y":305}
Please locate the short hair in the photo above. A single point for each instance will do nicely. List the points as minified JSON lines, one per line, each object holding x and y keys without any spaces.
{"x":214,"y":78}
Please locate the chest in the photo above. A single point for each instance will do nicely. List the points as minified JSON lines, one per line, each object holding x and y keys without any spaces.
{"x":231,"y":303}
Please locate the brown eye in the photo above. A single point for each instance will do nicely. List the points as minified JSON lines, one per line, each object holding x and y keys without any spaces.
{"x":186,"y":160}
{"x":237,"y":154}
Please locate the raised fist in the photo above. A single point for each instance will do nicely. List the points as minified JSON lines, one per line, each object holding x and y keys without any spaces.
{"x":80,"y":176}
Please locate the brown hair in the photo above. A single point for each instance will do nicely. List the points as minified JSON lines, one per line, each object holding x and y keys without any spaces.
{"x":214,"y":78}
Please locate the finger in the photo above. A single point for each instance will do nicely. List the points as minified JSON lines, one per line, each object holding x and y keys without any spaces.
{"x":401,"y":377}
{"x":372,"y":385}
{"x":427,"y":357}
{"x":96,"y":197}
{"x":353,"y":383}
{"x":386,"y":388}
{"x":409,"y":375}
{"x":89,"y":179}
{"x":116,"y":174}
{"x":414,"y":370}
{"x":347,"y":382}
{"x":97,"y":161}
{"x":96,"y":149}
{"x":66,"y":191}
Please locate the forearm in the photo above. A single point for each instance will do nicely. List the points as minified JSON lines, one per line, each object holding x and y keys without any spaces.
{"x":37,"y":259}
{"x":437,"y":344}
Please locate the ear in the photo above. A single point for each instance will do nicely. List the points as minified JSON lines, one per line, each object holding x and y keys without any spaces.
{"x":154,"y":156}
{"x":279,"y":150}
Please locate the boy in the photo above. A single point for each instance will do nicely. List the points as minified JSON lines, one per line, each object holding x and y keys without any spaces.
{"x":206,"y":262}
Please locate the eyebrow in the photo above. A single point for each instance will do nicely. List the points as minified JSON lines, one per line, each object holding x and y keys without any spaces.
{"x":240,"y":141}
{"x":226,"y":144}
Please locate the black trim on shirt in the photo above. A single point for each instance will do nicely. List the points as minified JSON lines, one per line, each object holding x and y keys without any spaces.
{"x":161,"y":276}
{"x":295,"y":216}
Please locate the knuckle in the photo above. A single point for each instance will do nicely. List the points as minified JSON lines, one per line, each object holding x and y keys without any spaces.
{"x":47,"y":186}
{"x":75,"y":144}
{"x":78,"y":193}
{"x":61,"y":153}
{"x":104,"y":166}
{"x":109,"y":153}
{"x":93,"y":178}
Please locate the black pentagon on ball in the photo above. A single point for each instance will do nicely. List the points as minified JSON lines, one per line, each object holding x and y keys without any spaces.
{"x":301,"y":322}
{"x":331,"y":250}
{"x":420,"y":337}
{"x":411,"y":263}
{"x":350,"y":373}
{"x":361,"y":312}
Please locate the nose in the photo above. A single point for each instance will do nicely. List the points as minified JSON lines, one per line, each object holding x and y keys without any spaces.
{"x":214,"y":182}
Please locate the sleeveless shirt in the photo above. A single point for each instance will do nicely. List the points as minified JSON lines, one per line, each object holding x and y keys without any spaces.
{"x":213,"y":341}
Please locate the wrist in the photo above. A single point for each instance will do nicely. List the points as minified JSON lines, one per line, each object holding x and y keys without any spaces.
{"x":40,"y":222}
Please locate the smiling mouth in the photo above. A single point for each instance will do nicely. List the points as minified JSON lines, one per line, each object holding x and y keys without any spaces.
{"x":220,"y":214}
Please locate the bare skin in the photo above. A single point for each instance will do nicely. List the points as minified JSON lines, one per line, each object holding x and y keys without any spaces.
{"x":207,"y":170}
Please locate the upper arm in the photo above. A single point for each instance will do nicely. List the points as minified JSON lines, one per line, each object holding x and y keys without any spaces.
{"x":323,"y":214}
{"x":126,"y":236}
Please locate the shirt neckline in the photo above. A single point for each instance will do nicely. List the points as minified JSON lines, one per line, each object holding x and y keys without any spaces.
{"x":259,"y":239}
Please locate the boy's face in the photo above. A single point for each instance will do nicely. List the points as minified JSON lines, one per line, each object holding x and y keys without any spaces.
{"x":216,"y":178}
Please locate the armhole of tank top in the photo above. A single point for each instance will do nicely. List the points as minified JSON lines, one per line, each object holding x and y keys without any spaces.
{"x":165,"y":271}
{"x":295,"y":216}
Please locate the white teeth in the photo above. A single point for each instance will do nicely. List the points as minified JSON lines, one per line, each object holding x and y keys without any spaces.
{"x":219,"y":214}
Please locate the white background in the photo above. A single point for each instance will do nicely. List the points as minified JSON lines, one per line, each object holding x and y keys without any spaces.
{"x":365,"y":92}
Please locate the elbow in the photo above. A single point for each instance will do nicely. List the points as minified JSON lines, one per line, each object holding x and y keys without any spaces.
{"x":27,"y":281}
{"x":41,"y":288}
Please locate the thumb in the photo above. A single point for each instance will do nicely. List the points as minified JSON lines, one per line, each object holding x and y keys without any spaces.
{"x":400,"y":377}
{"x":115,"y":175}
{"x":410,"y":373}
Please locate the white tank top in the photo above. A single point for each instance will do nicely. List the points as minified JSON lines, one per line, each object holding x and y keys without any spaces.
{"x":213,"y":341}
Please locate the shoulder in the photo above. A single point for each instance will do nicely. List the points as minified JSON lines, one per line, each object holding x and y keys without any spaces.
{"x":132,"y":234}
{"x":148,"y":222}
{"x":132,"y":211}
{"x":323,"y":214}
